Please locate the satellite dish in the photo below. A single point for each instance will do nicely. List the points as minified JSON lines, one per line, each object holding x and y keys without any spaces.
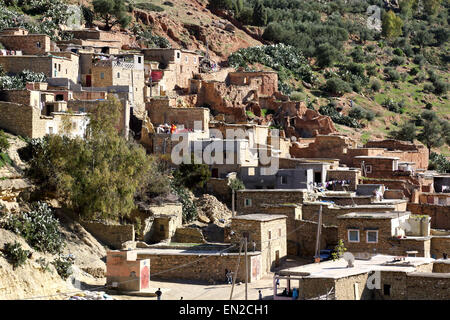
{"x":349,"y":258}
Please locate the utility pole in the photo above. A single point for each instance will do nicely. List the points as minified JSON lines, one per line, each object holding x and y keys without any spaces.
{"x":319,"y":229}
{"x":246,"y":267}
{"x":237,"y":269}
{"x":232,"y":202}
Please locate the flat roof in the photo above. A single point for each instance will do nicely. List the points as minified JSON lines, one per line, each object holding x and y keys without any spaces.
{"x":273,"y":190}
{"x":189,"y":252}
{"x":374,"y":215}
{"x":259,"y":217}
{"x":377,"y":157}
{"x":338,"y":269}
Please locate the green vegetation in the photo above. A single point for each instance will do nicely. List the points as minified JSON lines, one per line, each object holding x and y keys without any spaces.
{"x":97,"y":177}
{"x":338,"y":250}
{"x":38,"y":227}
{"x":15,"y":254}
{"x":439,"y":163}
{"x":4,"y":143}
{"x":63,"y":266}
{"x":112,"y":12}
{"x":19,"y":81}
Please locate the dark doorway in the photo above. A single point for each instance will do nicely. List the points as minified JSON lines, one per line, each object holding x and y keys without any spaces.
{"x":88,"y":81}
{"x":215,"y":173}
{"x":318,"y":177}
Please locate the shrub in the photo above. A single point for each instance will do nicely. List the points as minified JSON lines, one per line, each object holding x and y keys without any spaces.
{"x":375,"y":85}
{"x":414,"y":71}
{"x":371,"y":70}
{"x":397,"y":61}
{"x":439,"y":163}
{"x":440,"y":87}
{"x":398,"y":52}
{"x":63,"y":265}
{"x":15,"y":254}
{"x":189,"y":208}
{"x":149,"y":7}
{"x":39,"y":228}
{"x":168,"y":3}
{"x":392,"y":74}
{"x":297,"y":96}
{"x":419,"y":59}
{"x":428,"y":87}
{"x":337,"y":86}
{"x":391,"y":105}
{"x":330,"y":110}
{"x":357,"y":113}
{"x":4,"y":143}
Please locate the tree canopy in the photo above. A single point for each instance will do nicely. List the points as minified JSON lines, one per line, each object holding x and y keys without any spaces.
{"x":112,"y":12}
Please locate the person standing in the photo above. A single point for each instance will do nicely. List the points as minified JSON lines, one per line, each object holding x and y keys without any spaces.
{"x":260,"y":295}
{"x":158,"y":294}
{"x":295,"y":294}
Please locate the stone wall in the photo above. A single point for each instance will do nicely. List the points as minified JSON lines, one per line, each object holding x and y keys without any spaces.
{"x":428,"y":286}
{"x":261,"y":197}
{"x":442,"y":266}
{"x":180,"y":116}
{"x":440,"y":215}
{"x":32,"y":44}
{"x":220,"y":189}
{"x":440,"y":245}
{"x":352,"y":174}
{"x":21,"y":120}
{"x":303,"y":241}
{"x":189,"y":235}
{"x":202,"y":266}
{"x":268,"y":80}
{"x":111,"y":235}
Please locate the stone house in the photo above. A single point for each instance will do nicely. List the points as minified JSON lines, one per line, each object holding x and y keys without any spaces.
{"x":179,"y":67}
{"x":267,"y":80}
{"x":376,"y":166}
{"x":298,"y":178}
{"x":382,"y":277}
{"x":265,"y":233}
{"x":392,"y":232}
{"x":62,"y":65}
{"x":18,"y":39}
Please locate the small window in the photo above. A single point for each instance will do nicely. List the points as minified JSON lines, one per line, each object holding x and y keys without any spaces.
{"x":195,"y":60}
{"x":74,"y":125}
{"x":38,"y":44}
{"x":270,"y":235}
{"x":186,"y":59}
{"x":118,"y":75}
{"x":251,"y":171}
{"x":248,"y":202}
{"x":59,"y":67}
{"x":50,"y":130}
{"x":102,"y":75}
{"x":387,"y":289}
{"x":372,"y":236}
{"x":246,"y":235}
{"x":353,"y":235}
{"x":161,"y":227}
{"x":178,"y":55}
{"x":279,"y":232}
{"x":369,"y":168}
{"x":284,"y":179}
{"x":139,"y":59}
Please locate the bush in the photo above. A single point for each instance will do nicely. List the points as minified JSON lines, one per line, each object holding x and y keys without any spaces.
{"x":149,"y":7}
{"x":414,"y":71}
{"x":375,"y":85}
{"x":188,"y":206}
{"x":428,"y":87}
{"x":297,"y":96}
{"x":398,"y":52}
{"x":63,"y":265}
{"x":392,"y":74}
{"x":371,"y":70}
{"x":337,"y":86}
{"x":439,"y":163}
{"x":39,"y":228}
{"x":419,"y":59}
{"x":359,"y":113}
{"x":15,"y":254}
{"x":4,"y":143}
{"x":391,"y":105}
{"x":330,"y":110}
{"x":397,"y":61}
{"x":440,"y":87}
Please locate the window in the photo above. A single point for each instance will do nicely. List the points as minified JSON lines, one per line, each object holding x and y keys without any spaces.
{"x":38,"y":44}
{"x":50,"y":130}
{"x":251,"y":171}
{"x":74,"y":125}
{"x":372,"y":236}
{"x":353,"y":235}
{"x":246,"y":235}
{"x":369,"y":168}
{"x":270,"y":235}
{"x":59,"y":67}
{"x":139,"y":59}
{"x":186,"y":59}
{"x":195,"y":60}
{"x":161,"y":227}
{"x":279,"y":232}
{"x":178,"y":55}
{"x":118,"y":75}
{"x":387,"y":289}
{"x":284,"y":180}
{"x":248,"y":202}
{"x":102,"y":75}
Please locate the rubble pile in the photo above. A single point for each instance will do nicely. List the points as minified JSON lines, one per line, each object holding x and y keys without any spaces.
{"x":211,"y":210}
{"x":91,"y":295}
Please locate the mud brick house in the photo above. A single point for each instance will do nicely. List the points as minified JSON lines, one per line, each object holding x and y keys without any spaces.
{"x":265,"y":233}
{"x":58,"y":65}
{"x":267,"y":80}
{"x":250,"y":201}
{"x":18,"y":39}
{"x":393,"y":232}
{"x":282,"y":179}
{"x":404,"y":150}
{"x":178,"y":66}
{"x":382,"y":277}
{"x":376,"y":166}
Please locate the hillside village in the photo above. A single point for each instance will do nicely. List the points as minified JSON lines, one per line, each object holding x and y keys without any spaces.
{"x":328,"y":191}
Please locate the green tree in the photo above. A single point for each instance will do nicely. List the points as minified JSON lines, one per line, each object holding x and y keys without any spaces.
{"x":97,"y":177}
{"x":235,"y":185}
{"x":327,"y":55}
{"x":192,"y":175}
{"x":433,"y":133}
{"x":391,"y":25}
{"x":407,"y":132}
{"x":221,"y":4}
{"x":431,"y":6}
{"x":259,"y":14}
{"x":112,"y":12}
